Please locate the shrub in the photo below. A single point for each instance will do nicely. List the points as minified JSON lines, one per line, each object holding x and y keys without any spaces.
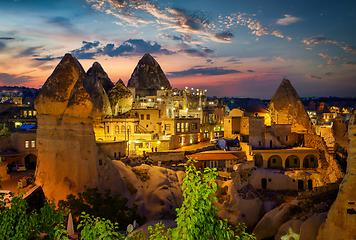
{"x":113,"y":208}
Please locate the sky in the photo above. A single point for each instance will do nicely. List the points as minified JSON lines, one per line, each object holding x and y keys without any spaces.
{"x":231,"y":48}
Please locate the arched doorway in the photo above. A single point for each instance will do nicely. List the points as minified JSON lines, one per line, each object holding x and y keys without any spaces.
{"x":30,"y":161}
{"x":264,"y":183}
{"x":310,"y":161}
{"x":292,"y":161}
{"x":258,"y":160}
{"x":275,"y":161}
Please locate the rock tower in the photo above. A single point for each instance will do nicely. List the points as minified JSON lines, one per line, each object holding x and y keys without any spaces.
{"x":120,"y":98}
{"x":148,"y":77}
{"x":68,"y":158}
{"x":341,"y":220}
{"x":287,"y":108}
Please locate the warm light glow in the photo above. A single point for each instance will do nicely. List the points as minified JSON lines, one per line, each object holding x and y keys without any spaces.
{"x":158,"y":142}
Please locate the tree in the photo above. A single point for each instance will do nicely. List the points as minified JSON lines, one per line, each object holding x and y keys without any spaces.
{"x":113,"y":208}
{"x":197,"y":217}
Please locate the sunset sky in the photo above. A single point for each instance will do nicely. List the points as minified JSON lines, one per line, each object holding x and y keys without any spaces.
{"x":231,"y":48}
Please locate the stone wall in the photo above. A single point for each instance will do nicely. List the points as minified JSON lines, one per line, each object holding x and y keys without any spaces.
{"x":327,"y":162}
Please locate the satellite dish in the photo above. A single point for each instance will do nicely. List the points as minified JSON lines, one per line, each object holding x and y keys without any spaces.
{"x":235,"y":167}
{"x":129,"y":228}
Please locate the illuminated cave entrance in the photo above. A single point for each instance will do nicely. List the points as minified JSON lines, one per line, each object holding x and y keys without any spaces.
{"x":30,"y":161}
{"x":275,"y":161}
{"x":292,"y":162}
{"x":258,"y":160}
{"x":310,"y":161}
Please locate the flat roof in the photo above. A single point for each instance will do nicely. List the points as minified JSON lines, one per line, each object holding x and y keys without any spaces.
{"x":212,"y":156}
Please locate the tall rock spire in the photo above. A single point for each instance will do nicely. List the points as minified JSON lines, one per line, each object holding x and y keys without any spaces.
{"x":341,"y":221}
{"x":287,"y":108}
{"x":148,"y":75}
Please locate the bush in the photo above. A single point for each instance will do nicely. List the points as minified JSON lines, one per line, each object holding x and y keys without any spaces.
{"x":113,"y":208}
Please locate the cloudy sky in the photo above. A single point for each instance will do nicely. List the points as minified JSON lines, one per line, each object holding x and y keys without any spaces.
{"x":231,"y":48}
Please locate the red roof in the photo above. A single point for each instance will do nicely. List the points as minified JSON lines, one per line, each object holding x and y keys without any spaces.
{"x":212,"y":156}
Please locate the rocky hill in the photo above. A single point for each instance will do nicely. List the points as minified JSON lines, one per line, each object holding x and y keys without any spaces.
{"x":287,"y":108}
{"x":148,"y":75}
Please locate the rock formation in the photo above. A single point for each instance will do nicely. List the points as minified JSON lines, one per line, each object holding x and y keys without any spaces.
{"x":98,"y":84}
{"x":97,"y":74}
{"x":148,"y":75}
{"x":120,"y":99}
{"x":65,"y":136}
{"x":287,"y":108}
{"x":341,"y":219}
{"x":70,"y":161}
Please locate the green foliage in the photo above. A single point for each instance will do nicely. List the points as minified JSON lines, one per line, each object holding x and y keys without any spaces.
{"x":18,"y":223}
{"x":113,"y":208}
{"x":197,"y":219}
{"x":98,"y":228}
{"x":158,"y":232}
{"x":139,"y":235}
{"x":3,"y":129}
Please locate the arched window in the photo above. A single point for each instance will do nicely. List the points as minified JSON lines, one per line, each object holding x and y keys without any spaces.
{"x":275,"y":161}
{"x":117,"y":129}
{"x":123,"y":129}
{"x":292,"y":161}
{"x":258,"y":160}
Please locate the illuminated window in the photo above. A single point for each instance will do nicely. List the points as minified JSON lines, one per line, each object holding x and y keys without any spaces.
{"x":33,"y":143}
{"x":182,"y":127}
{"x":187,"y":127}
{"x":167,"y":127}
{"x":123,"y":129}
{"x":27,"y":144}
{"x":117,"y":129}
{"x":178,"y":127}
{"x":29,"y":113}
{"x":25,"y":114}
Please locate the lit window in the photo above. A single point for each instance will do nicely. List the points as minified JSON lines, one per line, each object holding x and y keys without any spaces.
{"x":27,"y":144}
{"x":187,"y":127}
{"x":33,"y":143}
{"x":167,"y":127}
{"x":117,"y":129}
{"x":178,"y":127}
{"x":29,"y":113}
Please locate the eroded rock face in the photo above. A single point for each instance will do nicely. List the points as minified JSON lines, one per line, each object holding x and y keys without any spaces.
{"x":97,"y":74}
{"x":98,"y":84}
{"x":67,"y":153}
{"x":120,"y":98}
{"x":148,"y":75}
{"x":287,"y":108}
{"x":341,"y":220}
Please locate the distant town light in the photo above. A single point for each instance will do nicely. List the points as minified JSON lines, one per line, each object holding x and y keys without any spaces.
{"x":158,"y":142}
{"x":186,"y":87}
{"x":162,"y":88}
